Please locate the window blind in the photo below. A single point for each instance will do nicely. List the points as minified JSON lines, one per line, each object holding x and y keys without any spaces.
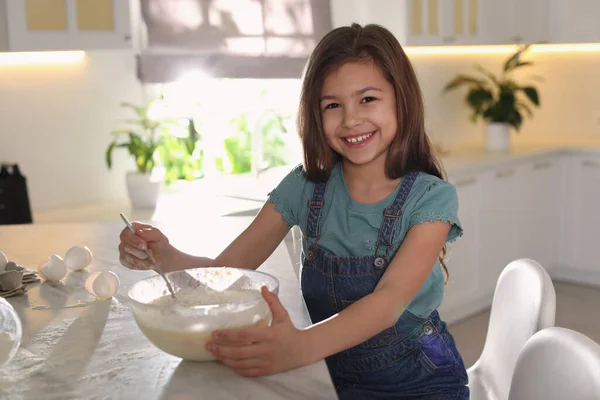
{"x":230,"y":38}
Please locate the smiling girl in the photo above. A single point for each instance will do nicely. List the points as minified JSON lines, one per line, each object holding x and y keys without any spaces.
{"x":375,"y":212}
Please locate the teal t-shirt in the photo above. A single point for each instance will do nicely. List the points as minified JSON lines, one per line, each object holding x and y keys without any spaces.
{"x":349,"y":228}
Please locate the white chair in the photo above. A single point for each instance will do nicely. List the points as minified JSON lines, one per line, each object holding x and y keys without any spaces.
{"x":524,"y":303}
{"x":557,"y":364}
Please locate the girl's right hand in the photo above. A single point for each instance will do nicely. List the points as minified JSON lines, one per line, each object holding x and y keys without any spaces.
{"x":132,"y":247}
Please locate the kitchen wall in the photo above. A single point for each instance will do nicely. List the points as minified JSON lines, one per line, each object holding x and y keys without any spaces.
{"x":55,"y":121}
{"x":569,"y":95}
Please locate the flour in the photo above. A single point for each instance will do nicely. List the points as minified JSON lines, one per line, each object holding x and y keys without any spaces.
{"x":194,"y":298}
{"x":187,"y":338}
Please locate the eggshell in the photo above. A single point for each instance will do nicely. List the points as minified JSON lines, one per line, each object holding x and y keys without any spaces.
{"x":78,"y":257}
{"x":53,"y":269}
{"x":103,"y":285}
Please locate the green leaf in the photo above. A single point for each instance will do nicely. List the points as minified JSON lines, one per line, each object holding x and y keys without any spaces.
{"x":522,"y":64}
{"x":521,"y":105}
{"x":532,"y":94}
{"x":140,"y":111}
{"x":515,"y":58}
{"x":487,"y":73}
{"x":460,"y":80}
{"x":109,"y":154}
{"x":122,"y":132}
{"x":477,"y":99}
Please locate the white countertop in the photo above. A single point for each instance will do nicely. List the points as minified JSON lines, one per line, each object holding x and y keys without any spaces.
{"x":98,"y":352}
{"x":468,"y":160}
{"x":244,"y":195}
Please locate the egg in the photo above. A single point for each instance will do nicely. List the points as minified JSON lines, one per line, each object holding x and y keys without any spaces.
{"x":78,"y":257}
{"x":53,"y":269}
{"x":3,"y":261}
{"x":103,"y":285}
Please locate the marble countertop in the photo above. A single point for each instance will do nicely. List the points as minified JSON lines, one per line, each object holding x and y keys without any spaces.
{"x":469,"y":160}
{"x":244,"y":195}
{"x":98,"y":352}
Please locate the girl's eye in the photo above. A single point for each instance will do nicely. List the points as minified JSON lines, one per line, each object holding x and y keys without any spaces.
{"x":367,"y":99}
{"x":331,"y":106}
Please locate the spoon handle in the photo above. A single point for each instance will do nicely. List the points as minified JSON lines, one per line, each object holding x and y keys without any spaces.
{"x":156,"y":267}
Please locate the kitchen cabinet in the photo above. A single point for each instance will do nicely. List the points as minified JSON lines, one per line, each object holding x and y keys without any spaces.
{"x":574,"y":21}
{"x":476,"y":22}
{"x":416,"y":22}
{"x":512,"y":22}
{"x":498,"y":224}
{"x":46,"y":25}
{"x":462,"y":259}
{"x":537,"y":204}
{"x":582,"y":211}
{"x":543,"y":207}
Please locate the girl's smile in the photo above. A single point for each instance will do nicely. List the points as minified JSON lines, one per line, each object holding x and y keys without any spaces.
{"x":358,"y":112}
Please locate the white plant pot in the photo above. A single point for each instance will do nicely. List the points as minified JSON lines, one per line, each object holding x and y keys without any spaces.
{"x":143,"y":189}
{"x":497,"y":136}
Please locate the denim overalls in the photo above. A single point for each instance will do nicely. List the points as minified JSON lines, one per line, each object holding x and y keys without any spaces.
{"x":415,"y":358}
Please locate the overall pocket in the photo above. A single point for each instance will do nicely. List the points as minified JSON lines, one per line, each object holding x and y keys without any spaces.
{"x":435,"y":353}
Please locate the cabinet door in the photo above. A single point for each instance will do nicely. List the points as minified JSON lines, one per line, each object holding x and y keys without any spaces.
{"x":530,"y":20}
{"x":463,"y":254}
{"x":498,"y":223}
{"x":538,"y":219}
{"x":575,"y":21}
{"x":444,"y":22}
{"x":68,"y":24}
{"x":584,"y":223}
{"x":388,"y":13}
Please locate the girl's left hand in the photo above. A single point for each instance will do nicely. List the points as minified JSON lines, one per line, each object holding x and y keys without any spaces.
{"x":258,"y":351}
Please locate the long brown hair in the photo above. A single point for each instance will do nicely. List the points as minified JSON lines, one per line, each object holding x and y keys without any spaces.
{"x":411,"y":149}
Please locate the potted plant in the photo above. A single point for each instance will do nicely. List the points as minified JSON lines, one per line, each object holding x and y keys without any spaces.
{"x":499,"y":100}
{"x":142,"y":140}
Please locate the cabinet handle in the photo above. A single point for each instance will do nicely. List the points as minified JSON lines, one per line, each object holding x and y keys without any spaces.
{"x":465,"y":182}
{"x":449,"y":39}
{"x":542,"y":165}
{"x":590,"y":163}
{"x":505,"y":172}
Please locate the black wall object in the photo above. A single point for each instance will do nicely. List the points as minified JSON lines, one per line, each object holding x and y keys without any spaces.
{"x":14,"y":199}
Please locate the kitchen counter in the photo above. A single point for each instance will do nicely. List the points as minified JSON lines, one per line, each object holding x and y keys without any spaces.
{"x":468,"y":160}
{"x":98,"y":352}
{"x":244,"y":195}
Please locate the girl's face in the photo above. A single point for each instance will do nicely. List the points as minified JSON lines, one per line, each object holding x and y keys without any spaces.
{"x":358,"y":111}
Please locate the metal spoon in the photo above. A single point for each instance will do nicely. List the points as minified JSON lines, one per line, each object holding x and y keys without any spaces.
{"x":156,"y":267}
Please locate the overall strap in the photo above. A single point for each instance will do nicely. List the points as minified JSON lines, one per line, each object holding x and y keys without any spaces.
{"x":387,"y":229}
{"x":315,"y":206}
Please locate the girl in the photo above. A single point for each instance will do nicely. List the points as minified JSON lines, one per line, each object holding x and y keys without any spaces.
{"x":375,"y":213}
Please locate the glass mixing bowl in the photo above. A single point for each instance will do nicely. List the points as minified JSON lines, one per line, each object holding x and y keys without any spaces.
{"x":207,"y":299}
{"x":11,"y":332}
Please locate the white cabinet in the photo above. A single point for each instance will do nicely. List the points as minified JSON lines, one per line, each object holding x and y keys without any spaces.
{"x":538,"y":217}
{"x":499,"y":222}
{"x":476,"y":22}
{"x":582,"y":230}
{"x":529,"y":21}
{"x":575,"y":21}
{"x":416,"y":22}
{"x":463,"y":255}
{"x":32,"y":25}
